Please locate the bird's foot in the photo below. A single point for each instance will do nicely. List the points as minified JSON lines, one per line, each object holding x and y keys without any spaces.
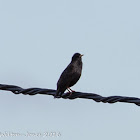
{"x":70,"y":93}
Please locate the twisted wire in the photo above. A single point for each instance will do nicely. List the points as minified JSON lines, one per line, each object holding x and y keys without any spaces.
{"x":74,"y":95}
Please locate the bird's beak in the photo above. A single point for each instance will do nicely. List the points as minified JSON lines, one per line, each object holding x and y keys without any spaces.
{"x":81,"y":55}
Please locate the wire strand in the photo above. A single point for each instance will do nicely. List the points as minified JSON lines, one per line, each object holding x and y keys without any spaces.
{"x":74,"y":95}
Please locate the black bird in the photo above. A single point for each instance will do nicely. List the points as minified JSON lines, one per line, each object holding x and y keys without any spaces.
{"x":70,"y":75}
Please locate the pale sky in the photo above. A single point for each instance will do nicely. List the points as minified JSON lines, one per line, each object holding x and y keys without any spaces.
{"x":38,"y":39}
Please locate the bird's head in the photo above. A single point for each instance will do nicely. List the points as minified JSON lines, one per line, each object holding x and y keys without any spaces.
{"x":77,"y":56}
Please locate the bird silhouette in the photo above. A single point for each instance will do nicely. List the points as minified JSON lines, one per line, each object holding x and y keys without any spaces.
{"x":70,"y":75}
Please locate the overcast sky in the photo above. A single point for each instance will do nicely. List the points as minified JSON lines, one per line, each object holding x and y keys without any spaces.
{"x":37,"y":41}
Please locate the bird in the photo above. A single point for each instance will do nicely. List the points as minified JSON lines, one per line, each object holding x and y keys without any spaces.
{"x":70,"y":75}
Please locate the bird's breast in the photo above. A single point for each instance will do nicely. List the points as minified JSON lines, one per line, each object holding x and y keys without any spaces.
{"x":77,"y":67}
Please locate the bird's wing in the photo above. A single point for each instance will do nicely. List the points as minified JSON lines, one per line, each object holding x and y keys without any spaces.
{"x":66,"y":77}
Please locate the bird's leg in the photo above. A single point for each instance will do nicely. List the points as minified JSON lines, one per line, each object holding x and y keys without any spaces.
{"x":68,"y":90}
{"x":71,"y":90}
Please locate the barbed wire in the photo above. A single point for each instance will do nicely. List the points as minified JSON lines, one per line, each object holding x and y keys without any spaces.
{"x":74,"y":95}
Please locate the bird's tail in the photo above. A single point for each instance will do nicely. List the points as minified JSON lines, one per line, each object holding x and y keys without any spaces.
{"x":58,"y":94}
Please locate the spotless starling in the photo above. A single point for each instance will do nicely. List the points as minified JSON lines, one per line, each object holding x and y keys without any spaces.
{"x":70,"y":75}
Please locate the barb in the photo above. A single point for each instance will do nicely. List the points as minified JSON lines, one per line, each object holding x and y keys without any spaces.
{"x":74,"y":95}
